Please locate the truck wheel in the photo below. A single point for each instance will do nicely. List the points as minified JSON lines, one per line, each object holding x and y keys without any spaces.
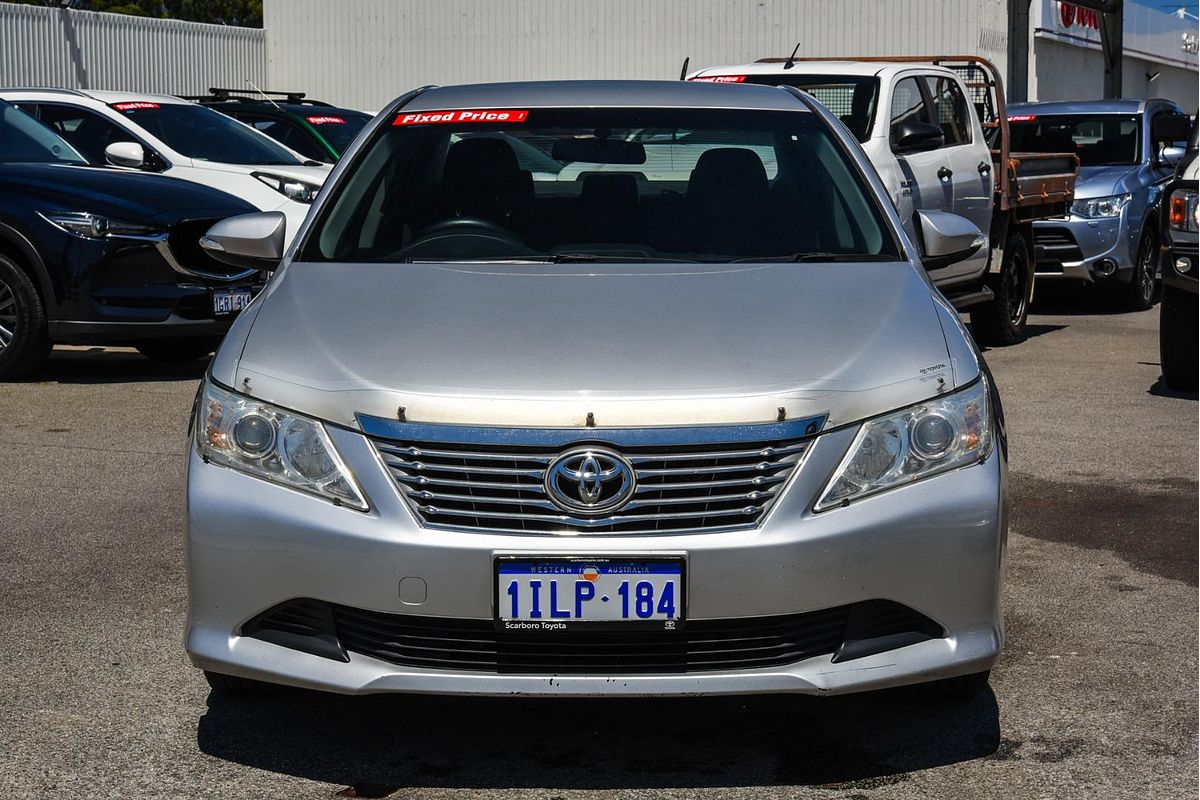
{"x":1001,"y":321}
{"x":1139,"y":294}
{"x":188,"y":349}
{"x":1177,"y":343}
{"x":24,"y":339}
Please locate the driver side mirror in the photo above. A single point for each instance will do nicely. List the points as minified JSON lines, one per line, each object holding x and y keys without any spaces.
{"x":1171,"y":155}
{"x":125,"y":154}
{"x":916,"y":137}
{"x":946,"y":239}
{"x":249,"y":241}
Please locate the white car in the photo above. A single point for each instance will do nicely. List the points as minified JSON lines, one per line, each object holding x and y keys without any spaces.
{"x":182,"y":139}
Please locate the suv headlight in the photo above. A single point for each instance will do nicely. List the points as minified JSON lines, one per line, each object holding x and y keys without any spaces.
{"x":291,"y":188}
{"x":1100,"y":207}
{"x":914,"y":443}
{"x":94,"y":226}
{"x":273,"y":444}
{"x":1182,"y":211}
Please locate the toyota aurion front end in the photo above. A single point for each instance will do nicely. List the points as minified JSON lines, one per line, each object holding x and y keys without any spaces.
{"x":597,"y":388}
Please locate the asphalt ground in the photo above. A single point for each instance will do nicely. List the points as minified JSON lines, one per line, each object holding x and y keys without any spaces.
{"x":1095,"y":695}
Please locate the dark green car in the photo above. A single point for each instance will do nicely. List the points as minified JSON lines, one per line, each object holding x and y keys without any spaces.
{"x":313,"y":129}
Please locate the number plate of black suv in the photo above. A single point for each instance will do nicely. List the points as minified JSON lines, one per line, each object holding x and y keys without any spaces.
{"x":559,"y":594}
{"x":227,"y":302}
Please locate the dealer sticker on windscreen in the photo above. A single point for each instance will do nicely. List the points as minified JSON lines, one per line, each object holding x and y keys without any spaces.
{"x":545,"y":595}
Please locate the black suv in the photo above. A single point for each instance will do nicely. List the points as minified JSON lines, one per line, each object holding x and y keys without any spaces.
{"x":313,"y":129}
{"x":1180,"y":270}
{"x":105,"y":256}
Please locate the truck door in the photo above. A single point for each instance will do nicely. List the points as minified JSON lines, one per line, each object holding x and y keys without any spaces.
{"x":969,"y":161}
{"x":922,"y":183}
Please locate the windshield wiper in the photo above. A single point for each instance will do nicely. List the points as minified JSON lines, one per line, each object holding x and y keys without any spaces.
{"x":818,"y":257}
{"x":583,"y":258}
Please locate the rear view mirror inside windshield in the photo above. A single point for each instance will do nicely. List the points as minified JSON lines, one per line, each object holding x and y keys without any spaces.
{"x":598,"y":151}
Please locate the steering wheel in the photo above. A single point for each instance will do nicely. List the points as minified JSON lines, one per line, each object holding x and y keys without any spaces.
{"x":468,"y":226}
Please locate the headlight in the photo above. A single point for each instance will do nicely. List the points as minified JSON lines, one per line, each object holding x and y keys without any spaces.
{"x":1183,"y":210}
{"x":1100,"y":207}
{"x":291,"y":188}
{"x":94,"y":226}
{"x":273,"y":444}
{"x":917,"y":442}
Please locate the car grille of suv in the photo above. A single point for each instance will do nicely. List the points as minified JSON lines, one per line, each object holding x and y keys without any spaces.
{"x":1054,"y":247}
{"x":680,"y":486}
{"x":704,"y":645}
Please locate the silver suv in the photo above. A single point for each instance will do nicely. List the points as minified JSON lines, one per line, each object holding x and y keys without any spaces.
{"x":597,"y":388}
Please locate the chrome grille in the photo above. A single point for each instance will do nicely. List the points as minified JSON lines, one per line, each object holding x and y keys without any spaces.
{"x":681,"y":486}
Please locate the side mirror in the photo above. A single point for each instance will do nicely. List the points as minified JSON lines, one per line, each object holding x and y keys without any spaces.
{"x":125,"y":154}
{"x":915,"y":137}
{"x":1171,"y":155}
{"x":946,"y":238}
{"x":249,"y":241}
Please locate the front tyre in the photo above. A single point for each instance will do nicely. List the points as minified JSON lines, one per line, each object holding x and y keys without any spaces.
{"x":1139,"y":294}
{"x":1001,"y":321}
{"x":187,"y":349}
{"x":24,"y":337}
{"x":1177,"y":342}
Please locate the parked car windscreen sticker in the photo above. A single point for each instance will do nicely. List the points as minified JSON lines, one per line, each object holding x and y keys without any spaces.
{"x":466,"y":115}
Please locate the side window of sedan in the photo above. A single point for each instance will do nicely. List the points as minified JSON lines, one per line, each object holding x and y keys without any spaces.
{"x":88,"y":131}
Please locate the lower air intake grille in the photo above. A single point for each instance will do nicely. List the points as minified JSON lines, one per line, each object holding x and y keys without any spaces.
{"x":475,"y":645}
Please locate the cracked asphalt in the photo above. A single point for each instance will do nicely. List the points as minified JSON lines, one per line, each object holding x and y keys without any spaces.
{"x":1094,"y":697}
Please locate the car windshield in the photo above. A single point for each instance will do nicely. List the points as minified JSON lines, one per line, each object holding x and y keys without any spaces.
{"x":197,"y":132}
{"x":1098,"y":139}
{"x":592,"y":184}
{"x":24,"y":139}
{"x":338,"y":127}
{"x":851,"y":98}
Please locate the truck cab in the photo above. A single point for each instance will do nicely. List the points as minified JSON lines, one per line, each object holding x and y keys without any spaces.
{"x":936,"y":131}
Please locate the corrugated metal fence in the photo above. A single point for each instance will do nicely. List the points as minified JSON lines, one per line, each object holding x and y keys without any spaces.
{"x":367,"y":52}
{"x":88,"y":50}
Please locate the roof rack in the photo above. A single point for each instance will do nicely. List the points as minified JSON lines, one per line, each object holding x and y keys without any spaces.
{"x":218,"y":93}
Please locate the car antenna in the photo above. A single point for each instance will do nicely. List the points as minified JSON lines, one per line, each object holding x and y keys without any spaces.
{"x":791,"y":62}
{"x":683,"y":71}
{"x":268,"y":99}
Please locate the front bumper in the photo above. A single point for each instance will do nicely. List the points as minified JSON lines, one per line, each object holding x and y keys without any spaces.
{"x":1076,"y":248}
{"x":935,"y":547}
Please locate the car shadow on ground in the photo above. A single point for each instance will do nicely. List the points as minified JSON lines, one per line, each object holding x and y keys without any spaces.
{"x":379,"y":744}
{"x":1160,"y":389}
{"x":95,"y":365}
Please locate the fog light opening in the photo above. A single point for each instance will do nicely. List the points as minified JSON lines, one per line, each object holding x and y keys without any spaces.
{"x":1183,"y":265}
{"x":1105,"y":267}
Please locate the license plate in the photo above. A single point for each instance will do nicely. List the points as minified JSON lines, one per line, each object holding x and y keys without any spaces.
{"x":231,"y":301}
{"x":545,"y":595}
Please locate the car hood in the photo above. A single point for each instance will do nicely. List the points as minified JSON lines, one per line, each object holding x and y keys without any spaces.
{"x":1102,"y":181}
{"x":130,"y":196}
{"x":638,"y":344}
{"x":315,"y":175}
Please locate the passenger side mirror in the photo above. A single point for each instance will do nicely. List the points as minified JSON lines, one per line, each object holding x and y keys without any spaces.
{"x":1171,"y":155}
{"x":125,"y":154}
{"x":916,"y":137}
{"x":946,"y":238}
{"x":249,"y":241}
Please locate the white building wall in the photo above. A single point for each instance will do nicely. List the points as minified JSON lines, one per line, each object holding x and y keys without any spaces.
{"x":363,"y":54}
{"x":42,"y":46}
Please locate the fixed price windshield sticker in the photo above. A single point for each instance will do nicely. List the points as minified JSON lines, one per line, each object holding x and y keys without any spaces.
{"x":134,"y":105}
{"x":470,"y":115}
{"x":325,"y":120}
{"x":721,"y":79}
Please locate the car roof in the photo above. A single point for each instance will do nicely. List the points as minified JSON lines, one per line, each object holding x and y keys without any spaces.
{"x":1083,"y":107}
{"x":101,"y":96}
{"x":859,"y":68}
{"x":605,"y":94}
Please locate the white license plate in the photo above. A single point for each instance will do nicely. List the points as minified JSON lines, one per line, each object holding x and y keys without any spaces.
{"x":559,"y":594}
{"x":231,"y":301}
